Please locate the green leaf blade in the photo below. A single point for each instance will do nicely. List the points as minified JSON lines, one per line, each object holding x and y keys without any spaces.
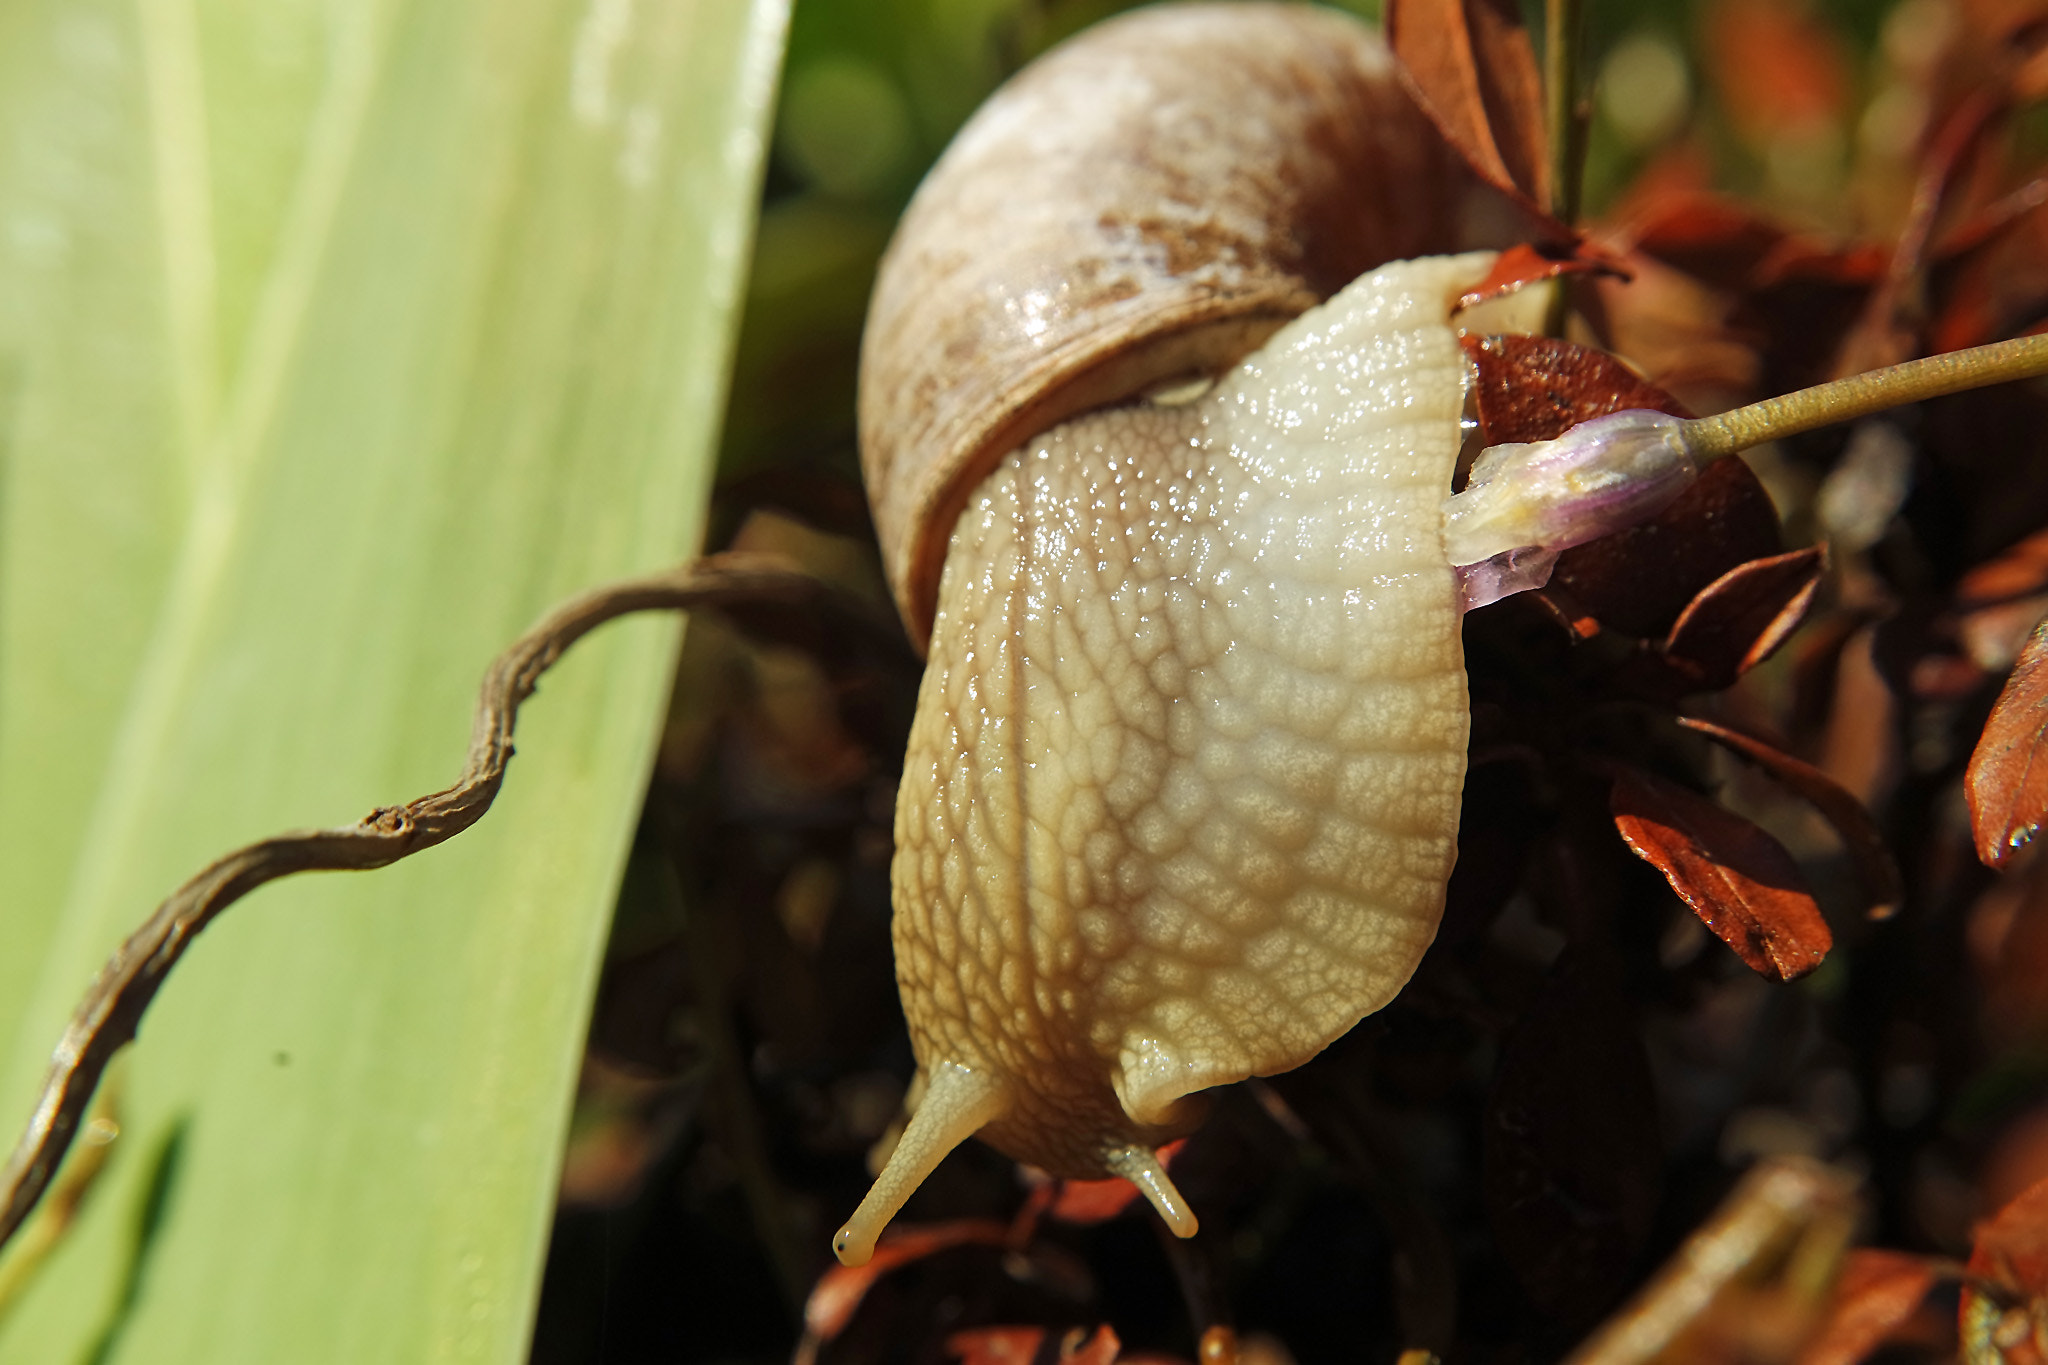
{"x":473,"y":363}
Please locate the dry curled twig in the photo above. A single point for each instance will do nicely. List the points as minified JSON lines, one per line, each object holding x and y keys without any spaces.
{"x":107,"y":1018}
{"x":1750,"y":1283}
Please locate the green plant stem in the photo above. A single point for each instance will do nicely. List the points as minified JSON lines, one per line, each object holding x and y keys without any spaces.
{"x":1844,"y":400}
{"x":1563,"y":31}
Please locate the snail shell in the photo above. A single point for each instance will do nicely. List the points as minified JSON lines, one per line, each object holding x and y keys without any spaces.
{"x":1153,"y":198}
{"x":1181,"y":796}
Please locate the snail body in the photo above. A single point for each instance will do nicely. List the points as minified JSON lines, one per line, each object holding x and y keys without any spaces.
{"x":1181,"y":796}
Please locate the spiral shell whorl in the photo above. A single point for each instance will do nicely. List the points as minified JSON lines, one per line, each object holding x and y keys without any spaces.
{"x":1152,"y":199}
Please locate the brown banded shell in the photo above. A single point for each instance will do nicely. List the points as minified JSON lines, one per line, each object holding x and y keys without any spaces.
{"x":1152,"y":199}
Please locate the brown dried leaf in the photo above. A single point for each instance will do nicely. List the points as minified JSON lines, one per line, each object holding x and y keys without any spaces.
{"x":2011,"y":1252}
{"x":1723,"y":520}
{"x":1859,"y":833}
{"x":1743,"y":1286}
{"x":1876,"y":1293}
{"x":1719,"y":240}
{"x":1528,"y":263}
{"x":2009,"y":938}
{"x":1573,"y":1158}
{"x":1896,"y":313}
{"x":2012,"y":1248}
{"x":2018,"y":1160}
{"x":1673,"y":213}
{"x":1779,"y":72}
{"x":2007,"y":781}
{"x":2020,"y":570}
{"x":1727,"y":302}
{"x":1092,"y":1201}
{"x":2001,"y":21}
{"x":1689,"y":338}
{"x":1740,"y":619}
{"x":837,"y":1295}
{"x":1098,"y":1201}
{"x":1994,"y":291}
{"x":1027,"y":1346}
{"x":1999,"y":602}
{"x":1739,"y":880}
{"x":1475,"y":73}
{"x":1534,"y":388}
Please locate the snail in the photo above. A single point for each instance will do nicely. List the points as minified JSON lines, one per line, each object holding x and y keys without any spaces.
{"x":1182,"y":792}
{"x":1160,"y":405}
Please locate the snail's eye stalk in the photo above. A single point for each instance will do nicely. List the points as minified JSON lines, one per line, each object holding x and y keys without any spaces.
{"x":1526,"y":502}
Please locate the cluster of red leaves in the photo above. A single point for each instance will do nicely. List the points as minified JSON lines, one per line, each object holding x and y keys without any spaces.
{"x":1882,"y":1296}
{"x":1716,"y":608}
{"x":1967,"y":264}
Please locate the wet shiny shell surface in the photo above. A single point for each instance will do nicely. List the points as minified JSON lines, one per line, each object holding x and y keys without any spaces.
{"x":1154,"y":197}
{"x":1182,"y":792}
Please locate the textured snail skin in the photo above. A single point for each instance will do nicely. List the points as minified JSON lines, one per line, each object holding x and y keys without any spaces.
{"x":1182,"y":791}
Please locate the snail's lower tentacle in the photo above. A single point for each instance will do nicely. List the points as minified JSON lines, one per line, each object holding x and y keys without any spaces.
{"x":958,"y":1102}
{"x":1139,"y":1166}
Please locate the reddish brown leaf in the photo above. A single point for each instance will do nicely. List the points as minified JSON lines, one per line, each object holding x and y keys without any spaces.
{"x":1739,"y":880}
{"x":1999,"y":602}
{"x":1026,"y":1346}
{"x":1992,"y":268}
{"x":1526,"y":263}
{"x":997,"y":1345}
{"x":1475,"y":73}
{"x":1892,"y":319}
{"x":1740,"y":619}
{"x":1723,"y":520}
{"x":1780,"y":73}
{"x":1570,"y":614}
{"x":2000,"y":21}
{"x":1994,"y":255}
{"x":1997,"y":277}
{"x":1858,"y":832}
{"x":1704,"y":234}
{"x":2020,"y":570}
{"x":1685,"y":335}
{"x":1740,"y":1288}
{"x":2011,"y":1252}
{"x":2018,"y":1160}
{"x":1537,"y":387}
{"x":1876,"y":1293}
{"x":2012,"y":1248}
{"x":2009,"y":937}
{"x":2007,"y":782}
{"x":1534,"y":388}
{"x":1573,"y":1158}
{"x":1671,"y":212}
{"x":1092,"y":1201}
{"x":839,"y":1291}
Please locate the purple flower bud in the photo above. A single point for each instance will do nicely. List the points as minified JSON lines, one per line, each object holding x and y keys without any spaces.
{"x":1527,"y":501}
